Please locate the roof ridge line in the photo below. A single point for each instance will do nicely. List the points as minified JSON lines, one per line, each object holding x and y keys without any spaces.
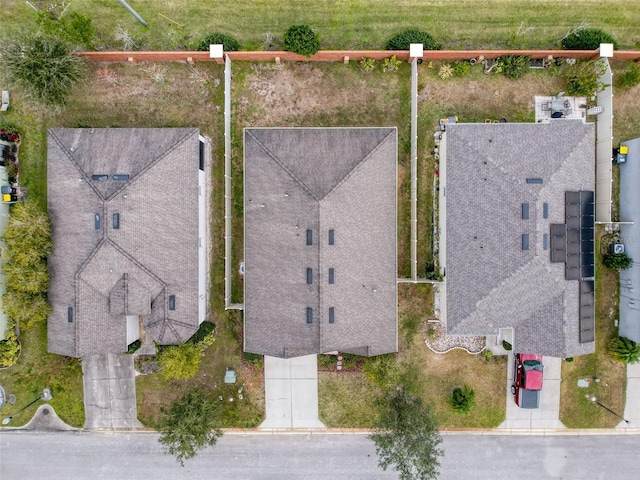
{"x":151,"y":164}
{"x":75,"y":164}
{"x":358,"y":165}
{"x":283,"y":166}
{"x":136,"y":263}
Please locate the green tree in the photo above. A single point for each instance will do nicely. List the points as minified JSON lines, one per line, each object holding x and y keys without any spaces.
{"x":587,"y":39}
{"x":43,"y":66}
{"x":583,"y":78}
{"x":182,"y":362}
{"x":302,"y":40}
{"x":229,"y":43}
{"x":624,"y":350}
{"x":404,"y":39}
{"x":406,"y":436}
{"x":189,"y":424}
{"x":27,"y":244}
{"x":618,"y":261}
{"x":462,"y":399}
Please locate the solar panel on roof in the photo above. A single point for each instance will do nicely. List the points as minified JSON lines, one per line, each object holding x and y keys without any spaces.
{"x":587,"y":311}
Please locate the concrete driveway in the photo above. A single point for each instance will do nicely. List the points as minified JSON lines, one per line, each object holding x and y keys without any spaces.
{"x":291,"y":393}
{"x":632,"y":405}
{"x":109,"y":392}
{"x":548,"y":415}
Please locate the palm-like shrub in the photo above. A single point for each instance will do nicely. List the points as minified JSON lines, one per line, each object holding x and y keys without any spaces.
{"x":302,"y":40}
{"x":624,"y":350}
{"x":513,"y":66}
{"x":229,"y":43}
{"x":587,"y":39}
{"x":42,"y":66}
{"x":619,"y":261}
{"x":462,"y":399}
{"x":403,"y":40}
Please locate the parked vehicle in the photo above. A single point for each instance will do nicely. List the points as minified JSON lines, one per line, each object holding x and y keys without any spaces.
{"x":528,"y":372}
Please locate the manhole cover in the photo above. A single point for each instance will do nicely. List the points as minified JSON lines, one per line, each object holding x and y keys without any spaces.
{"x":45,"y":411}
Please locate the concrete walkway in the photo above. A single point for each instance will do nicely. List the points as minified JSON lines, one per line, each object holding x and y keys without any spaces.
{"x":548,"y":415}
{"x":632,"y":405}
{"x":291,"y":393}
{"x":109,"y":392}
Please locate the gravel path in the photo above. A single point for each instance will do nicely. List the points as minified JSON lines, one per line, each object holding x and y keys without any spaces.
{"x":442,"y":343}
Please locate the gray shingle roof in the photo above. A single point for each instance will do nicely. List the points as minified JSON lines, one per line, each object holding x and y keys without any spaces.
{"x":491,"y":281}
{"x":340,"y":179}
{"x":107,"y":273}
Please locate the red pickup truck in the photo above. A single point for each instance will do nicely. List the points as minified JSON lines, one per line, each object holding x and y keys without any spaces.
{"x":528,"y":372}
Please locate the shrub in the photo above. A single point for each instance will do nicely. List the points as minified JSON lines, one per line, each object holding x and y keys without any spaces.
{"x":42,"y":66}
{"x":513,"y":66}
{"x":134,"y":347}
{"x":507,"y":346}
{"x":302,"y":40}
{"x":460,"y":69}
{"x":391,"y":64}
{"x":403,"y":40}
{"x":182,"y":362}
{"x":367,"y":64}
{"x":327,"y":362}
{"x":583,"y":78}
{"x":487,"y":354}
{"x":75,"y":28}
{"x":587,"y":39}
{"x":630,"y":77}
{"x":445,"y":71}
{"x":624,"y":350}
{"x":9,"y":347}
{"x":462,"y":399}
{"x":254,"y":359}
{"x":205,"y":329}
{"x":618,"y":261}
{"x":229,"y":43}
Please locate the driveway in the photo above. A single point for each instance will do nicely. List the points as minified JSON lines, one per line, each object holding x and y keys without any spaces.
{"x":291,"y":393}
{"x":548,"y":415}
{"x":632,"y":405}
{"x":109,"y":392}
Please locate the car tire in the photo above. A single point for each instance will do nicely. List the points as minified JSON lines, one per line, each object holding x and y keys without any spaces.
{"x":513,"y":389}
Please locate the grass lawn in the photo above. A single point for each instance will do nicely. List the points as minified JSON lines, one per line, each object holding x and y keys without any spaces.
{"x":360,"y":24}
{"x":576,"y":411}
{"x":36,"y":369}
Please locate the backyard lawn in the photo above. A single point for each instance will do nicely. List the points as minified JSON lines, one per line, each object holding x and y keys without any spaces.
{"x":345,"y":24}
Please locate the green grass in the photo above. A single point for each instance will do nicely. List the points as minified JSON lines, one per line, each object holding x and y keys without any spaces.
{"x":360,"y":24}
{"x":36,"y":369}
{"x":576,"y":411}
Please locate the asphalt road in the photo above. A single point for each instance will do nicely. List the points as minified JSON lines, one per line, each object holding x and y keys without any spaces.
{"x":71,"y":456}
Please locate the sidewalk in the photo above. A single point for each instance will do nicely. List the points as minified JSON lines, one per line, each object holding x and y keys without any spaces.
{"x":632,"y":405}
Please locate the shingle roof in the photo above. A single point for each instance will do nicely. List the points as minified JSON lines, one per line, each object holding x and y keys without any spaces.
{"x":491,"y":282}
{"x":339,"y":179}
{"x":106,"y":273}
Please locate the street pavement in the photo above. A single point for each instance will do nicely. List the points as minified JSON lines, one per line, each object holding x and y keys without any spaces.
{"x":78,"y":456}
{"x":291,"y":392}
{"x":109,"y":392}
{"x":548,"y":415}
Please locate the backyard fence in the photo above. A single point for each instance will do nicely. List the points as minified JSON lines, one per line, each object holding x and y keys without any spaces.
{"x":346,"y":55}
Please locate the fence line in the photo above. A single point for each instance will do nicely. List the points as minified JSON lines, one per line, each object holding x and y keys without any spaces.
{"x":345,"y":55}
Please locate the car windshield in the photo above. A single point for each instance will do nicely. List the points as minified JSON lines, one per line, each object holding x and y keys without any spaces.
{"x":532,"y":365}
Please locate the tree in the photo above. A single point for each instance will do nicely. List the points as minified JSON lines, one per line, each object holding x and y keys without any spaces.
{"x":462,"y":399}
{"x":189,"y":424}
{"x":302,"y":40}
{"x":229,"y":44}
{"x":624,"y":350}
{"x":587,"y":39}
{"x":583,"y":78}
{"x":43,"y":66}
{"x":404,"y":39}
{"x":406,"y":436}
{"x":620,"y":261}
{"x":27,"y":244}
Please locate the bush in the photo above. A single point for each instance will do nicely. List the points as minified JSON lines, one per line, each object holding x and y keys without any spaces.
{"x":27,"y":245}
{"x":182,"y":362}
{"x":9,"y":347}
{"x":617,"y":261}
{"x":630,"y":77}
{"x":583,"y":78}
{"x":302,"y":40}
{"x":506,"y":345}
{"x":587,"y":39}
{"x":134,"y":347}
{"x":367,"y":64}
{"x":254,"y":359}
{"x":462,"y":399}
{"x":445,"y":71}
{"x":403,"y":40}
{"x":513,"y":66}
{"x":42,"y":66}
{"x":390,"y":64}
{"x":229,"y":43}
{"x":205,"y":329}
{"x":460,"y":69}
{"x":327,"y":362}
{"x":75,"y":28}
{"x":624,"y":350}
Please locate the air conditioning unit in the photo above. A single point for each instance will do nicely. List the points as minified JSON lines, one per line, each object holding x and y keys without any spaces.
{"x":618,"y":248}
